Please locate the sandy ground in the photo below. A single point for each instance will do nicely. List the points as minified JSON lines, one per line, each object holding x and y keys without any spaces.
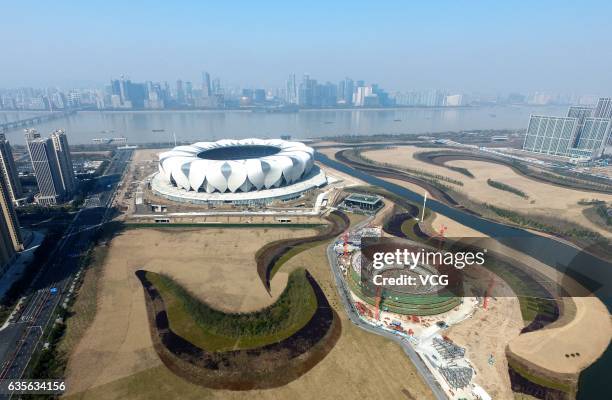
{"x":143,"y":163}
{"x":486,"y":334}
{"x":216,"y":265}
{"x":543,"y":198}
{"x":144,"y":155}
{"x":588,"y":334}
{"x":361,"y":365}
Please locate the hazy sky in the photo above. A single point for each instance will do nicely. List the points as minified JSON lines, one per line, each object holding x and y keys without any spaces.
{"x":474,"y":46}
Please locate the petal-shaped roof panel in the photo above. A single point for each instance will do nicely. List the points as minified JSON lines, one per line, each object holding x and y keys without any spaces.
{"x":234,"y":168}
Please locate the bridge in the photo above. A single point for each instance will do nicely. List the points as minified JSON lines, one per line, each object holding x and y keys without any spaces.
{"x":35,"y":120}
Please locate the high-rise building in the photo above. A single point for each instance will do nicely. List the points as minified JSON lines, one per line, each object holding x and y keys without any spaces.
{"x":292,"y":90}
{"x":46,"y":169}
{"x":206,"y":88}
{"x":345,"y":92}
{"x":259,"y":96}
{"x":603,"y":108}
{"x":10,"y":232}
{"x":550,"y":135}
{"x":10,"y":235}
{"x":592,"y":138}
{"x":180,"y":92}
{"x":454,"y":100}
{"x":366,"y":96}
{"x":124,"y":92}
{"x":216,"y":86}
{"x":306,"y":91}
{"x":588,"y":131}
{"x":54,"y":180}
{"x":9,"y":226}
{"x":188,"y":91}
{"x":580,"y":112}
{"x":8,"y":170}
{"x":64,"y":161}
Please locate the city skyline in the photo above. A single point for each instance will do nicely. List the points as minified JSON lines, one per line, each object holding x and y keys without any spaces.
{"x":210,"y":92}
{"x":466,"y":47}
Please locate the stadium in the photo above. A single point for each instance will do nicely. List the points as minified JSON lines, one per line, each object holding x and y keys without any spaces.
{"x":248,"y":171}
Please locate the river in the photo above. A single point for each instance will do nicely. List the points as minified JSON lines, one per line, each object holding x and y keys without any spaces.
{"x":140,"y":126}
{"x":590,"y":271}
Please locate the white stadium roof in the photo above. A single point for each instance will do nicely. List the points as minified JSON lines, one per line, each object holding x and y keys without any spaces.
{"x":236,"y":165}
{"x":237,"y":171}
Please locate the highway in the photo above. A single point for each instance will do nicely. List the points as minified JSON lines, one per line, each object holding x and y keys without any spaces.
{"x":22,"y":338}
{"x":353,"y":315}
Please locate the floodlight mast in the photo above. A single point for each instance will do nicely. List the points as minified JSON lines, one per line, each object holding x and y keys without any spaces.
{"x":423,"y":211}
{"x":424,"y":203}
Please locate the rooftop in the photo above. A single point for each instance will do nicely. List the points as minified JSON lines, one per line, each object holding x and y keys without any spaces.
{"x":364,"y":198}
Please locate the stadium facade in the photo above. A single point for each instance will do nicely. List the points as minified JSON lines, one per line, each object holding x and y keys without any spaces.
{"x":247,"y":171}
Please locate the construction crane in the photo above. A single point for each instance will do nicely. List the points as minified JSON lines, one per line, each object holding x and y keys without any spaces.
{"x":485,"y":300}
{"x":345,"y":238}
{"x":378,"y":301}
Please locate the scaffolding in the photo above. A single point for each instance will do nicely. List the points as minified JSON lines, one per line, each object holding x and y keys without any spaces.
{"x":448,"y":350}
{"x":457,"y":377}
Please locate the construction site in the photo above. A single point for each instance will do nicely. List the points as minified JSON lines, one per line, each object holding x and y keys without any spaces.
{"x":459,"y":344}
{"x":140,"y":204}
{"x":419,"y":320}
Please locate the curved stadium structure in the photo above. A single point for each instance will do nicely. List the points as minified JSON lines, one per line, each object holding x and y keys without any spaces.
{"x":237,"y":171}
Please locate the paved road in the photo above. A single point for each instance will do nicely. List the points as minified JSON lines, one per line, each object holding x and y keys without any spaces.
{"x":20,"y":340}
{"x":353,"y":315}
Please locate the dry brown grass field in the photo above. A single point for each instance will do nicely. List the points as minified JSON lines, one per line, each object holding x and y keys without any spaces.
{"x":216,"y":265}
{"x":543,"y":198}
{"x":115,"y":358}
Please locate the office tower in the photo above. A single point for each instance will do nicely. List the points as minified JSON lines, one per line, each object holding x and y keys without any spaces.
{"x":366,"y":96}
{"x":10,"y":190}
{"x":603,"y":108}
{"x":580,"y":112}
{"x":124,"y":92}
{"x":206,"y":88}
{"x":346,"y":94}
{"x":10,"y":236}
{"x":115,"y":88}
{"x":454,"y":100}
{"x":8,"y":170}
{"x":216,"y":86}
{"x":121,"y":93}
{"x":259,"y":96}
{"x":64,"y":161}
{"x":188,"y":91}
{"x":592,"y":138}
{"x":306,"y":91}
{"x":46,"y":168}
{"x":10,"y":233}
{"x":292,"y":95}
{"x":137,"y":94}
{"x":551,"y":135}
{"x":180,"y":93}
